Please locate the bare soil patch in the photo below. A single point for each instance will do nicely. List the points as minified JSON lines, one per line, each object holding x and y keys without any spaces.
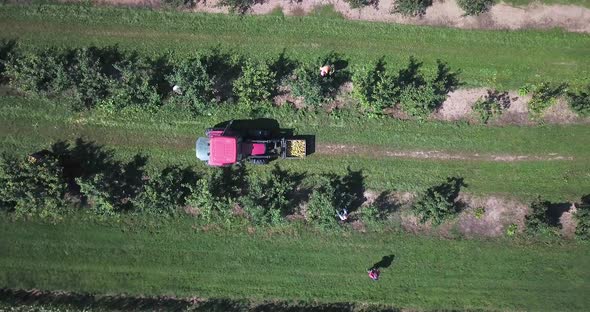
{"x":518,"y":112}
{"x":568,"y":223}
{"x":560,"y":113}
{"x":499,"y":213}
{"x":483,"y":216}
{"x":458,"y":105}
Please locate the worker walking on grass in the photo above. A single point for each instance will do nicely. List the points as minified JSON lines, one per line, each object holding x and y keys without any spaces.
{"x":374,"y":273}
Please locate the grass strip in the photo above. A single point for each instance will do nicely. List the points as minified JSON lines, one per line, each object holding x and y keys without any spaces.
{"x":151,"y":258}
{"x":503,"y":59}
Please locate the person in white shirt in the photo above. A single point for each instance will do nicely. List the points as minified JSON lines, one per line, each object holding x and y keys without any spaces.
{"x":342,"y":214}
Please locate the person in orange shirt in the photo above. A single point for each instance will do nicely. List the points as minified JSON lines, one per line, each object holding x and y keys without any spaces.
{"x":326,"y":70}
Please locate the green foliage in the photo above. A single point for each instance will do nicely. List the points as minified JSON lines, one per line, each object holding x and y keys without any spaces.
{"x":89,"y":80}
{"x":270,"y":35}
{"x":255,"y":85}
{"x":357,"y":4}
{"x":33,"y":186}
{"x":419,"y":97}
{"x":536,"y":220}
{"x":112,"y":182}
{"x":544,"y":96}
{"x":277,"y":11}
{"x":438,"y":203}
{"x":326,"y":11}
{"x":370,"y":214}
{"x":115,"y":81}
{"x":165,"y":193}
{"x":38,"y":73}
{"x":374,"y":87}
{"x":445,"y":81}
{"x":267,"y":199}
{"x":321,"y":206}
{"x":214,"y":197}
{"x":310,"y":86}
{"x":525,"y":89}
{"x":492,"y":105}
{"x":511,"y":230}
{"x":7,"y":48}
{"x":179,"y":3}
{"x":134,"y":85}
{"x":195,"y":83}
{"x":86,"y":77}
{"x":580,"y":101}
{"x":582,"y":217}
{"x":239,"y":6}
{"x":411,"y":7}
{"x":97,"y":195}
{"x":475,"y":7}
{"x":419,"y":101}
{"x":434,"y":206}
{"x":479,"y":212}
{"x":332,"y":193}
{"x":209,"y":207}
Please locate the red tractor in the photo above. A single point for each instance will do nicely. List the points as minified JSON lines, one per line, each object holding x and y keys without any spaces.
{"x":226,"y":146}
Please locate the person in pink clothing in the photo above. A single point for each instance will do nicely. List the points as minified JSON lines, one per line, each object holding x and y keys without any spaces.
{"x":374,"y":273}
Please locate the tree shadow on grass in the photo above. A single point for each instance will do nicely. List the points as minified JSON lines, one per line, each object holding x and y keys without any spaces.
{"x":411,"y":75}
{"x":224,"y":68}
{"x":245,"y":127}
{"x":446,"y":80}
{"x":6,"y":48}
{"x":384,"y":263}
{"x":341,"y":71}
{"x":555,"y":211}
{"x":385,"y":205}
{"x":296,"y":179}
{"x":283,"y":66}
{"x":87,"y":301}
{"x":161,"y":69}
{"x":85,"y":159}
{"x":349,"y":190}
{"x":450,"y":189}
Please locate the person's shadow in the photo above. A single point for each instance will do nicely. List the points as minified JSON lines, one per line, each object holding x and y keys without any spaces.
{"x":385,"y":262}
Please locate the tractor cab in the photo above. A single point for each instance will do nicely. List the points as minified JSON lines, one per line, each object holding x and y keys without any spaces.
{"x":223,"y":150}
{"x":219,"y":151}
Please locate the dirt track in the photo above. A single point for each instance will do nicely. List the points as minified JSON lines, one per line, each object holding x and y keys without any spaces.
{"x":373,"y":151}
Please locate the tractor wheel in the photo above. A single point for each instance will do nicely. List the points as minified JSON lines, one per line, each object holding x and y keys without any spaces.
{"x":259,"y":161}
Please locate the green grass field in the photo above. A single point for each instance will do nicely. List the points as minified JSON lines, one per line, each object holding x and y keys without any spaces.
{"x":175,"y":259}
{"x":29,"y":125}
{"x":505,"y":59}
